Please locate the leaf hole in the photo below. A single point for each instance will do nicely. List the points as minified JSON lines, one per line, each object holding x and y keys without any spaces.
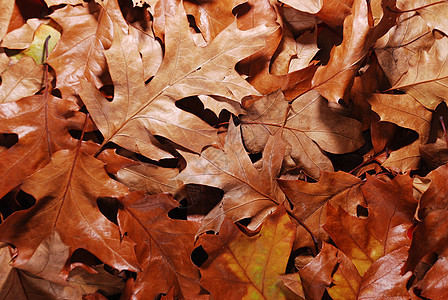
{"x":109,"y":208}
{"x":179,"y":213}
{"x":361,"y":211}
{"x":199,"y":256}
{"x":14,"y":201}
{"x":108,"y":92}
{"x":8,"y":140}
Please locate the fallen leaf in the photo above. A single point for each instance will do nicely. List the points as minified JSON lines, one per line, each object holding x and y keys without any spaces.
{"x":22,"y":79}
{"x":239,"y":266}
{"x":432,"y":11}
{"x":384,"y":278}
{"x":66,"y":191}
{"x":316,"y":275}
{"x":153,"y":111}
{"x":42,"y":125}
{"x":310,"y":201}
{"x":163,"y":246}
{"x":303,"y":124}
{"x":248,"y":192}
{"x":428,"y":87}
{"x":334,"y":80}
{"x":79,"y":52}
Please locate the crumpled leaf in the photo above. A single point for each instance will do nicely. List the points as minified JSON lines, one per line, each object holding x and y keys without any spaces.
{"x":163,"y":247}
{"x":303,"y":124}
{"x":334,"y":80}
{"x":22,"y":79}
{"x":248,"y":192}
{"x":310,"y":201}
{"x":66,"y":191}
{"x":153,"y":111}
{"x":429,"y":87}
{"x":42,"y":124}
{"x":240,"y":267}
{"x":21,"y":38}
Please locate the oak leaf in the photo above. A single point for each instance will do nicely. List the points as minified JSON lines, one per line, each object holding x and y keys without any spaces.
{"x":430,"y":235}
{"x":429,"y":86}
{"x":87,"y":30}
{"x":403,"y":111}
{"x":310,"y":201}
{"x":66,"y":191}
{"x":22,"y":79}
{"x":152,"y":111}
{"x":241,"y":267}
{"x":303,"y":124}
{"x":432,"y":11}
{"x":248,"y":192}
{"x":334,"y":80}
{"x":42,"y":125}
{"x":163,"y":246}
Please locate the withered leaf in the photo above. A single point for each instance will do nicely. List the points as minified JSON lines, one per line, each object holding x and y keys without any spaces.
{"x":163,"y":246}
{"x":248,"y":192}
{"x":66,"y":191}
{"x":303,"y":124}
{"x":310,"y":201}
{"x":239,"y":266}
{"x":429,"y":87}
{"x":42,"y":125}
{"x":21,"y":80}
{"x":152,"y":110}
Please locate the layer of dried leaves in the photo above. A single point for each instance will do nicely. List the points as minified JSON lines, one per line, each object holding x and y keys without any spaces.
{"x":223,"y":149}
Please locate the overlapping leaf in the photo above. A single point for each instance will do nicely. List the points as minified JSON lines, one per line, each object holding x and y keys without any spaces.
{"x":240,"y":267}
{"x":303,"y":124}
{"x":66,"y":191}
{"x":248,"y":192}
{"x":152,"y":110}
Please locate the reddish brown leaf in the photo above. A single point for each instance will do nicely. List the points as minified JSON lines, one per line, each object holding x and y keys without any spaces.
{"x":316,"y":276}
{"x":42,"y":124}
{"x":163,"y":247}
{"x":248,"y":192}
{"x":66,"y":191}
{"x":310,"y":201}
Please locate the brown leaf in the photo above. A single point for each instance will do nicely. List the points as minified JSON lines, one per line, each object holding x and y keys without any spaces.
{"x":316,"y":276}
{"x":427,"y":87}
{"x":66,"y":191}
{"x":239,"y":266}
{"x":396,"y":47}
{"x":163,"y":246}
{"x":435,"y":154}
{"x":310,"y":201}
{"x":21,"y":80}
{"x":384,"y":279}
{"x":87,"y":31}
{"x":334,"y":80}
{"x":6,"y":7}
{"x":248,"y":192}
{"x":153,"y":111}
{"x":42,"y":124}
{"x":150,"y":178}
{"x":432,"y":11}
{"x":303,"y":124}
{"x":430,"y":235}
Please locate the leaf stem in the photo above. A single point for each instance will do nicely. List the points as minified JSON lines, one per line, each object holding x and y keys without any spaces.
{"x":315,"y":240}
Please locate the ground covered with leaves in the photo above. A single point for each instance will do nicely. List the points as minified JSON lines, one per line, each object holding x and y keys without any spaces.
{"x":223,"y":149}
